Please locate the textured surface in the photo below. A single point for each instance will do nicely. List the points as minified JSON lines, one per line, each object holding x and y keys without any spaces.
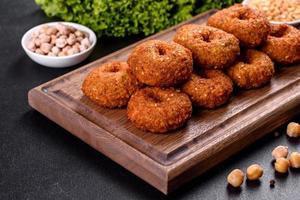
{"x":110,"y":85}
{"x":212,"y":48}
{"x":40,"y":160}
{"x":249,"y":26}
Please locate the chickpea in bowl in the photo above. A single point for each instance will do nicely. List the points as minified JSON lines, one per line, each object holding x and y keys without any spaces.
{"x":59,"y":44}
{"x":278,"y":11}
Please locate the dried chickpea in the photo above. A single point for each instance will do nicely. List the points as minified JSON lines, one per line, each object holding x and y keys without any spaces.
{"x":55,"y":50}
{"x":61,"y":42}
{"x":46,"y":47}
{"x":280,"y":152}
{"x":58,"y":34}
{"x":66,"y":49}
{"x":75,"y":49}
{"x":62,"y":29}
{"x":79,"y":39}
{"x":44,"y":38}
{"x":35,"y":34}
{"x":254,"y":172}
{"x":43,"y":29}
{"x":31,"y":46}
{"x":70,"y":51}
{"x":58,"y":40}
{"x":293,"y":129}
{"x":295,"y":160}
{"x":39,"y":51}
{"x":64,"y":37}
{"x":278,"y":10}
{"x":78,"y":33}
{"x":62,"y":53}
{"x":51,"y":31}
{"x":71,"y":39}
{"x":53,"y":39}
{"x":86,"y":35}
{"x":51,"y":54}
{"x":82,"y":48}
{"x":72,"y":29}
{"x":282,"y":165}
{"x":85,"y":42}
{"x":37,"y":42}
{"x":235,"y":178}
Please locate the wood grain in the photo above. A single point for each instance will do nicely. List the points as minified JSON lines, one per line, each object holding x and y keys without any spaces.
{"x":168,"y":160}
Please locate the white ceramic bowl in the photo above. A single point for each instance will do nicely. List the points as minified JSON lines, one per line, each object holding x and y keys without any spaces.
{"x":64,"y":61}
{"x":293,"y":23}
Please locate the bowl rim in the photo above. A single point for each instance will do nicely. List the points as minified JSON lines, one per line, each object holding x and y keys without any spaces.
{"x":92,"y":36}
{"x":296,"y":22}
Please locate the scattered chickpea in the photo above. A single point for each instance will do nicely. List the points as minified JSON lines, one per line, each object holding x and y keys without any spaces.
{"x":282,"y":165}
{"x":254,"y":172}
{"x":295,"y":160}
{"x":293,"y":129}
{"x":280,"y":152}
{"x":236,"y":178}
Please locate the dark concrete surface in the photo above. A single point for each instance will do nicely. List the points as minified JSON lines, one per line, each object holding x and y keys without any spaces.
{"x":40,"y":160}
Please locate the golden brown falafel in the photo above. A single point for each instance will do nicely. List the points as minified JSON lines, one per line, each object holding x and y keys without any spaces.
{"x":159,"y":63}
{"x":159,"y":110}
{"x":212,"y":48}
{"x":209,"y":89}
{"x":283,"y":44}
{"x":250,"y":26}
{"x":110,"y":85}
{"x":253,"y":69}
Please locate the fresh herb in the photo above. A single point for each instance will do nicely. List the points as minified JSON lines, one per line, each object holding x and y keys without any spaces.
{"x":119,"y":18}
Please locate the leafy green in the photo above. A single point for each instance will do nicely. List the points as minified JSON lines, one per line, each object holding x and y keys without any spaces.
{"x":205,"y":5}
{"x":119,"y":18}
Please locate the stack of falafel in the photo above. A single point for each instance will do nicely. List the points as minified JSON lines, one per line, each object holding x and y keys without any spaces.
{"x":162,"y":81}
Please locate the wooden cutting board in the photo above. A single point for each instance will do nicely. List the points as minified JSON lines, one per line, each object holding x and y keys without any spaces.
{"x":166,"y":161}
